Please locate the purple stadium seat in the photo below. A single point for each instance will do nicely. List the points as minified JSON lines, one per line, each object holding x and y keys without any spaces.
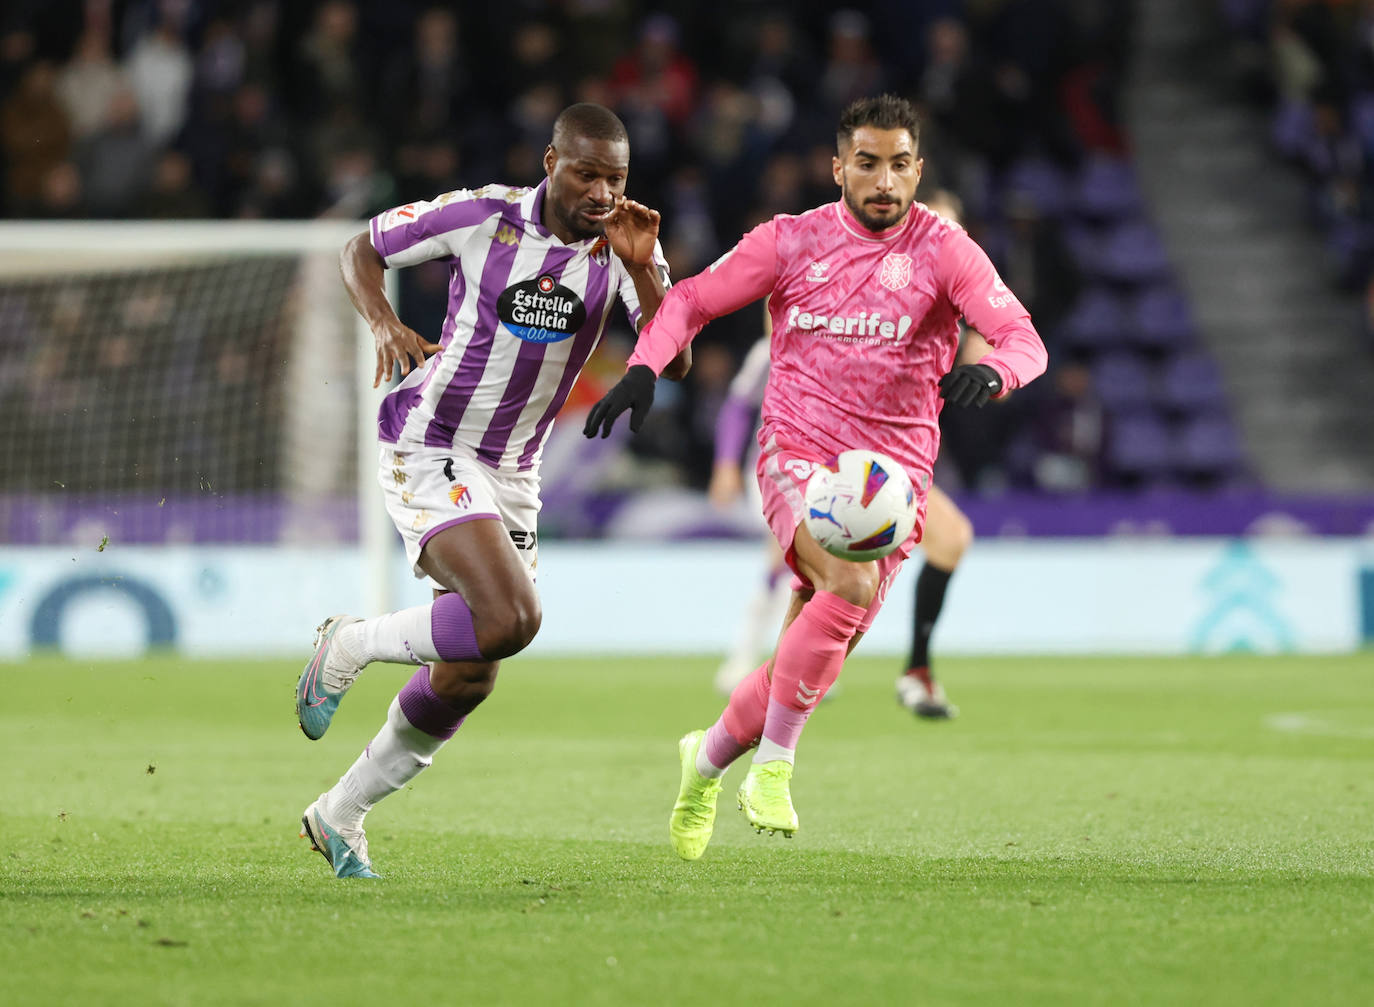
{"x":1160,"y":319}
{"x":1362,"y":120}
{"x":1097,"y":320}
{"x":1106,"y":189}
{"x":1133,"y":253}
{"x":1293,"y":128}
{"x":1208,"y":446}
{"x":1351,"y":245}
{"x":1082,"y":242}
{"x":1039,"y":182}
{"x":1123,"y":382}
{"x":1191,"y":383}
{"x":1246,"y":17}
{"x":1139,"y":447}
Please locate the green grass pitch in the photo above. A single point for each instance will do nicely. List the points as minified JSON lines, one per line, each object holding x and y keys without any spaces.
{"x":1095,"y":831}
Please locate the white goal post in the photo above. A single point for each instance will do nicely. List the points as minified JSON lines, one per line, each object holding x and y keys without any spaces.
{"x":217,"y":363}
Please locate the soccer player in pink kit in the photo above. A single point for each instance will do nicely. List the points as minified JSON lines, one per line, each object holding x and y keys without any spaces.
{"x":865,"y":295}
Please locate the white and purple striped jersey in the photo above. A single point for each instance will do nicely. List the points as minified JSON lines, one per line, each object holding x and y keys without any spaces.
{"x":525,"y":311}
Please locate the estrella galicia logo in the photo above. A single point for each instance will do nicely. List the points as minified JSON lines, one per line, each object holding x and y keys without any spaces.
{"x":541,"y":311}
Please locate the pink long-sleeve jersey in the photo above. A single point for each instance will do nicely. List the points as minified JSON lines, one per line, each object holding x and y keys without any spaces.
{"x":864,"y":325}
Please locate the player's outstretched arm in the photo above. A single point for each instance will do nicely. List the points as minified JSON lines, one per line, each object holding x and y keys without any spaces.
{"x":635,"y":392}
{"x":397,"y":343}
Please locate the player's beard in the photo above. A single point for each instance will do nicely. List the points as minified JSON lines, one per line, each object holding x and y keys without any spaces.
{"x":580,"y":227}
{"x":872,"y":223}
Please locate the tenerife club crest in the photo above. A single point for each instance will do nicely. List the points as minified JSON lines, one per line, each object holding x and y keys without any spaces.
{"x":895,"y":272}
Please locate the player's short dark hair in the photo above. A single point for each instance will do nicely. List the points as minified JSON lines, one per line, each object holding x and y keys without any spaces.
{"x":887,"y":111}
{"x":590,"y":120}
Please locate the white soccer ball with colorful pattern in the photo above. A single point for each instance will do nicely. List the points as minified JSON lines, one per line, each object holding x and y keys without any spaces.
{"x":861,"y":506}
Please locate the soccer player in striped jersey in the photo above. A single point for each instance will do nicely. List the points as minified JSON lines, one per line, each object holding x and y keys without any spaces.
{"x":865,"y":295}
{"x":534,"y":274}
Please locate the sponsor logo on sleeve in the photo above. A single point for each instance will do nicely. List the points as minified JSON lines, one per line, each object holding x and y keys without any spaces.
{"x":541,"y":311}
{"x":1003,"y":298}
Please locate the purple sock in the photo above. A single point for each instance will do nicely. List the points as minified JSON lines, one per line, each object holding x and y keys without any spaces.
{"x":425,"y":710}
{"x":451,"y":629}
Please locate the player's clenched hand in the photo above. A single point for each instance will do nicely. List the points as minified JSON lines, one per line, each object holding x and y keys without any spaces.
{"x":635,"y":392}
{"x":970,"y":385}
{"x":632,"y":229}
{"x":401,"y":346}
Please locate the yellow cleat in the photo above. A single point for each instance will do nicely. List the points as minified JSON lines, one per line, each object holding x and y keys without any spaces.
{"x":765,"y":797}
{"x":694,"y":814}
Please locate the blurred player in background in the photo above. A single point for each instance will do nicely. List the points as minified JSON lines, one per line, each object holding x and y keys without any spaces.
{"x":947,"y":536}
{"x":534,"y":273}
{"x":768,"y":604}
{"x":865,"y":295}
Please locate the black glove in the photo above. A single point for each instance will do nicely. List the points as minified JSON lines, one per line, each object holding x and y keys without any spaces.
{"x":970,"y":385}
{"x":635,"y":392}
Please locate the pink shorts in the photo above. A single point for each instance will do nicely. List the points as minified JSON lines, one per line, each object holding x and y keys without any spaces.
{"x":783,"y":469}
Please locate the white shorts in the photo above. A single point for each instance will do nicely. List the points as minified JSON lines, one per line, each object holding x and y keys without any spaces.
{"x":430,"y":489}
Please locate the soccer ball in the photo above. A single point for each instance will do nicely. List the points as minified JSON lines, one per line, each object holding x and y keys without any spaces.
{"x":861,"y":506}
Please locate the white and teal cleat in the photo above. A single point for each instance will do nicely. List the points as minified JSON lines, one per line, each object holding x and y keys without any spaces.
{"x":345,"y":849}
{"x":330,"y":673}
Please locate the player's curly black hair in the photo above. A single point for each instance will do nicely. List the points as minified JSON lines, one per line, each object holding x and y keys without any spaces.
{"x":887,"y":111}
{"x":595,"y":122}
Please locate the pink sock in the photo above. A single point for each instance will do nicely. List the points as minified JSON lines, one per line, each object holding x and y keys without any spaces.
{"x":810,"y":656}
{"x":739,"y":727}
{"x":742,"y":721}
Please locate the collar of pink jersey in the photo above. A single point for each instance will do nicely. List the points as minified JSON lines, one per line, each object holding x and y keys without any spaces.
{"x":851,"y":224}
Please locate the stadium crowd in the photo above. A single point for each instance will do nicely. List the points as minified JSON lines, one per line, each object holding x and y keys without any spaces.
{"x":1311,"y":64}
{"x":263,"y":109}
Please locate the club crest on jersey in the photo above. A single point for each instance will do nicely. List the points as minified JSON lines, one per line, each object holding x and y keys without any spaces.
{"x":601,"y":252}
{"x":895,"y":273}
{"x":460,"y":495}
{"x":541,"y":310}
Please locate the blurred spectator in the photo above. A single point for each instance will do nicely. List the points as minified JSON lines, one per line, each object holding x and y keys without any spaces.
{"x":654,"y":88}
{"x":161,"y":70}
{"x":425,"y":87}
{"x":17,"y":49}
{"x":115,"y":159}
{"x":1034,"y":260}
{"x":172,"y":194}
{"x":61,"y":196}
{"x":1069,"y":432}
{"x":328,"y":74}
{"x":87,"y":81}
{"x":35,"y":134}
{"x":852,"y":71}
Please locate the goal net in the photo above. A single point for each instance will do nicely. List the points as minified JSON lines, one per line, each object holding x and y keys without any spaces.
{"x":183,"y":383}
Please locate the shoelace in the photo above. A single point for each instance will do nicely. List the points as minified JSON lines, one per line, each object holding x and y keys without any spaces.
{"x":772,"y":782}
{"x":698,"y":811}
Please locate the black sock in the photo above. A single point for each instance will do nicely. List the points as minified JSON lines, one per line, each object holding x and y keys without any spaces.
{"x":930,"y":598}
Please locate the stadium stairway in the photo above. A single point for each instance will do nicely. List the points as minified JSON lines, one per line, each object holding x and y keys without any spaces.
{"x":1234,"y":218}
